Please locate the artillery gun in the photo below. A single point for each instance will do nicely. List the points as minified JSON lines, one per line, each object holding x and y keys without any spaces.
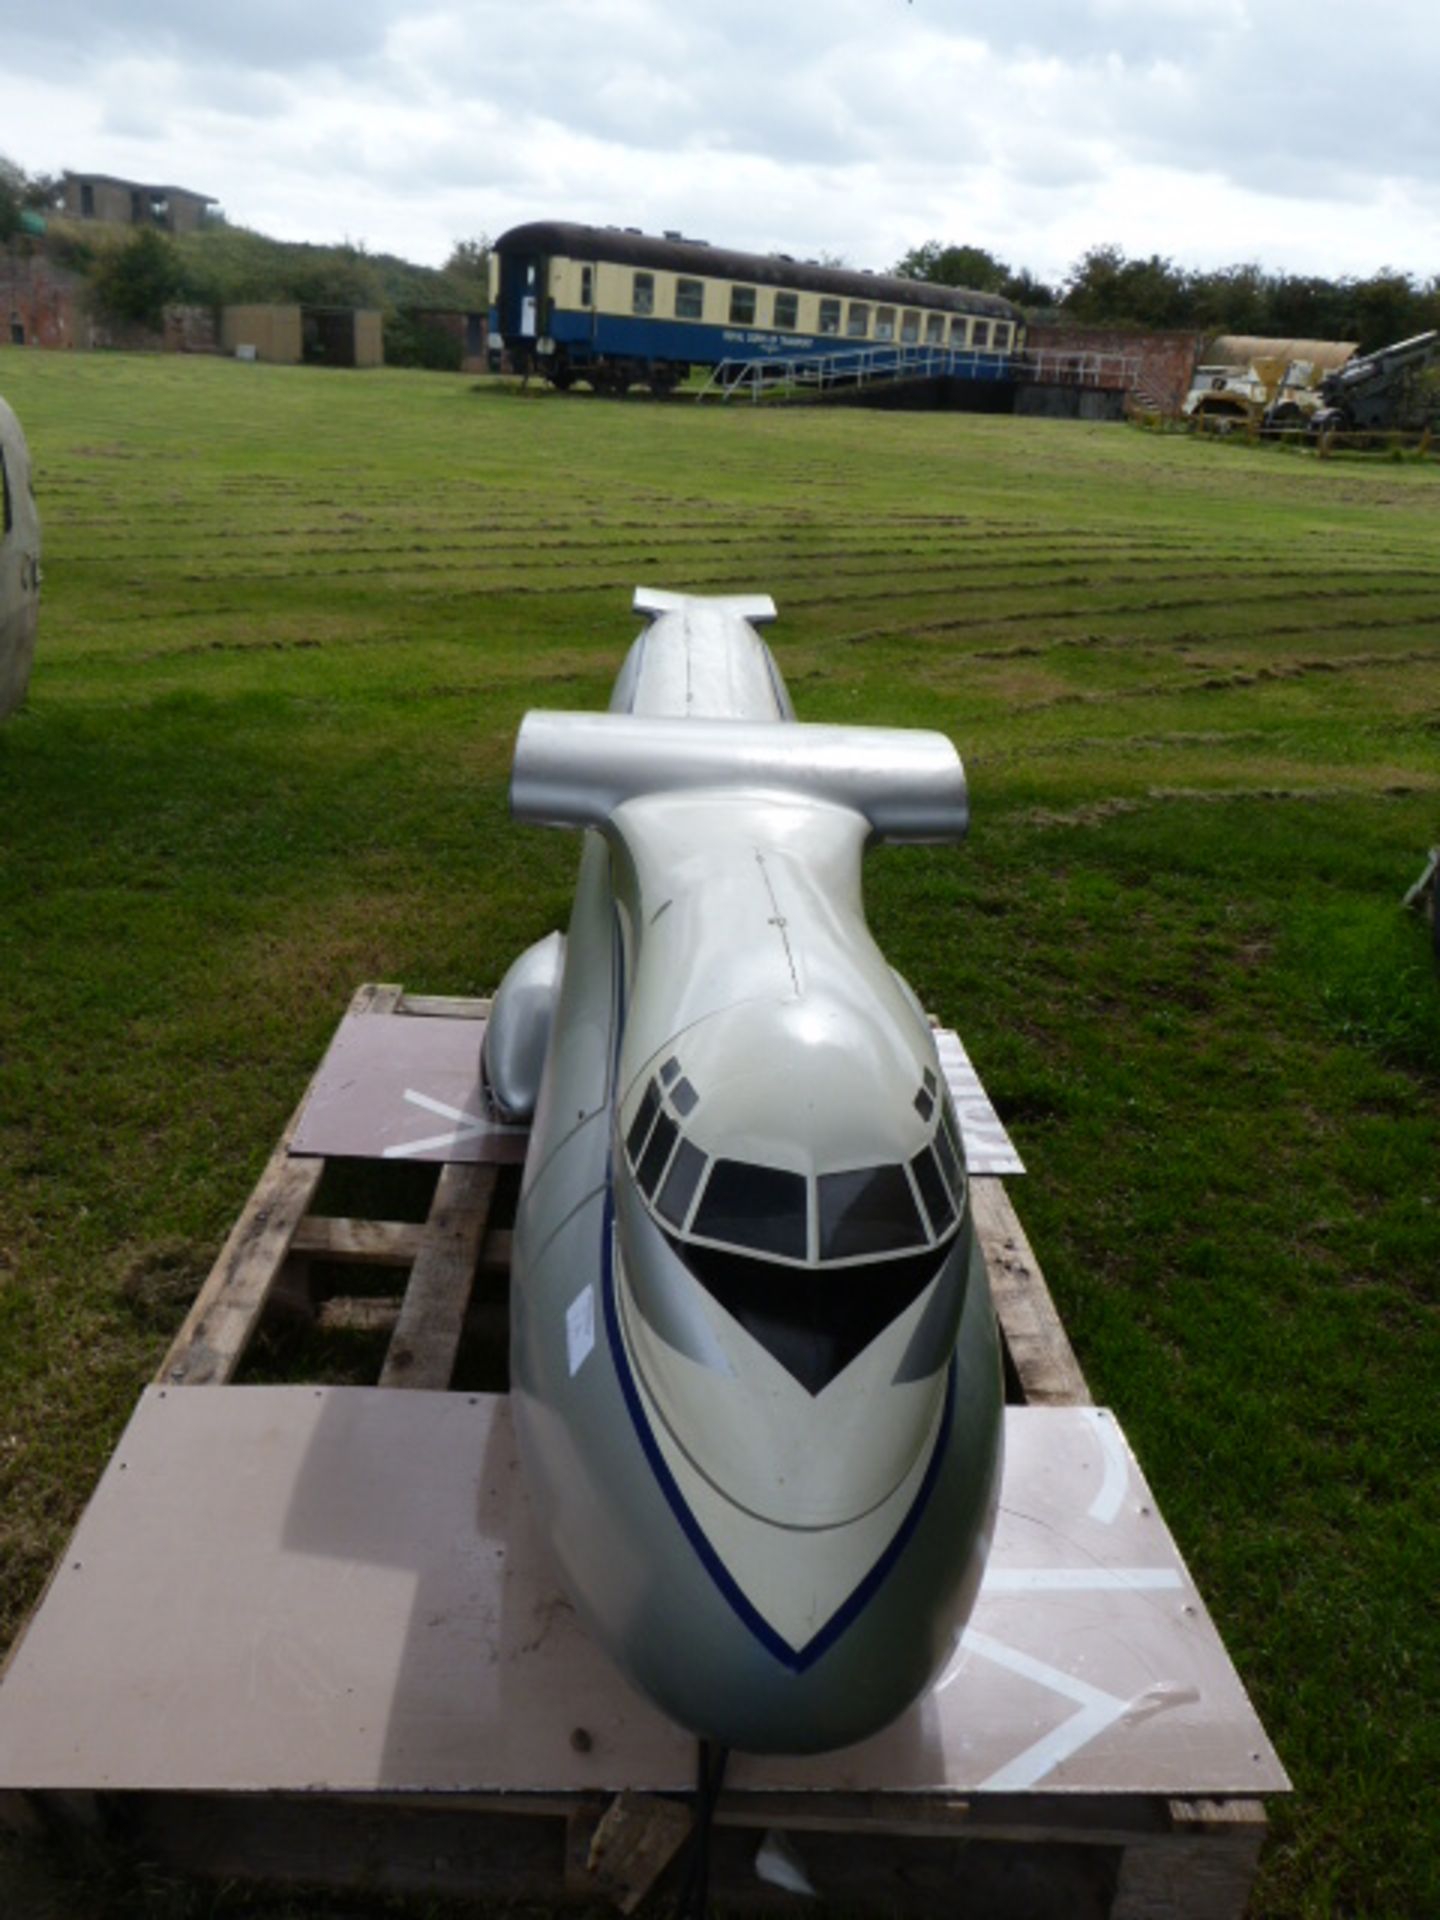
{"x":1387,"y":390}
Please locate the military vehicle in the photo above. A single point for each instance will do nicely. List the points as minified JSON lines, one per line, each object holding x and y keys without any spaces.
{"x":1249,"y":379}
{"x":1392,"y":390}
{"x":19,"y":564}
{"x":755,"y":1366}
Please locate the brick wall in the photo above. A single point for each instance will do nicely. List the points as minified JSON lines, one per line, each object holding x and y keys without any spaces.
{"x":40,"y":304}
{"x":1167,"y":360}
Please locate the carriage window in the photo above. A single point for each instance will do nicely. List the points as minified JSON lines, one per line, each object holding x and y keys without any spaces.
{"x":587,"y":285}
{"x":750,"y":1206}
{"x":857,"y":323}
{"x":683,"y":1097}
{"x":885,"y":323}
{"x":643,"y":299}
{"x":934,"y":329}
{"x":829,"y":316}
{"x":787,"y":310}
{"x":957,"y":330}
{"x":673,"y":1199}
{"x":982,"y":334}
{"x":910,"y":328}
{"x":742,"y":306}
{"x":689,"y":299}
{"x":1002,"y":333}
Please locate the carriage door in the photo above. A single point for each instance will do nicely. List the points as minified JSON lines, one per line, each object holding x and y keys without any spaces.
{"x":520,"y":279}
{"x":531,"y":274}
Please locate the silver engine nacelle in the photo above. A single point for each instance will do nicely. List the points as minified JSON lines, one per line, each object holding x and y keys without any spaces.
{"x":517,"y":1034}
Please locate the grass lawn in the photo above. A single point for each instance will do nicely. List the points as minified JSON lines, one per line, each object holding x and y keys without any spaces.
{"x":291,"y":621}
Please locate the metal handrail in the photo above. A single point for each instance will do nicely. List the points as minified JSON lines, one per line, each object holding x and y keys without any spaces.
{"x":848,"y":367}
{"x":1076,"y":367}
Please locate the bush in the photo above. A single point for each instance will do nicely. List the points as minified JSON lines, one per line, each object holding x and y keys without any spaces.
{"x":413,"y":341}
{"x":136,"y":280}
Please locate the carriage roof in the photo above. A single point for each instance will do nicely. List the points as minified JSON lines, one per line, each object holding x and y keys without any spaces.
{"x":623,"y":247}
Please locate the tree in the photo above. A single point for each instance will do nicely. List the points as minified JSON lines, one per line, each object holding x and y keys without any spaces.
{"x":134,"y":281}
{"x":953,"y":266}
{"x":470,"y":259}
{"x":12,"y":197}
{"x":1021,"y":286}
{"x":1107,"y":289}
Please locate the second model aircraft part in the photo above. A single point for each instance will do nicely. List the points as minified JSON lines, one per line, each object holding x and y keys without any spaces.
{"x":575,"y":769}
{"x":19,"y":564}
{"x":517,"y":1034}
{"x":755,"y":1367}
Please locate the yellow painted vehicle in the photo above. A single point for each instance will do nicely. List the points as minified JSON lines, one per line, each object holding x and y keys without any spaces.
{"x":1247,"y":380}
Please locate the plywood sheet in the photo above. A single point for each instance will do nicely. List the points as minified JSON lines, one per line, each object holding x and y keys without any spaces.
{"x":297,"y":1587}
{"x":404,"y":1087}
{"x":407,"y":1086}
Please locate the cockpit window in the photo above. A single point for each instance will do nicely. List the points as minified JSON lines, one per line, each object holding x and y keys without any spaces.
{"x":673,"y":1199}
{"x":656,"y":1154}
{"x":933,"y":1190}
{"x":641,"y":1124}
{"x":748,"y":1206}
{"x":945,"y":1150}
{"x":870,"y":1210}
{"x":860,"y":1213}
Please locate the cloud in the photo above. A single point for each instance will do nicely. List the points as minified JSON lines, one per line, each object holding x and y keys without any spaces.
{"x":1209,"y":130}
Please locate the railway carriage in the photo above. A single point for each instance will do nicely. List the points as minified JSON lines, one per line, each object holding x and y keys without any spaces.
{"x":616,"y":307}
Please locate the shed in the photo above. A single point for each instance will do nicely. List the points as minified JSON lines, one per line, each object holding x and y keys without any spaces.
{"x":290,"y":335}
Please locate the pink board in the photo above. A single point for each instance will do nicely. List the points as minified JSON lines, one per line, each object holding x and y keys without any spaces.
{"x":404,"y":1087}
{"x":292,"y":1587}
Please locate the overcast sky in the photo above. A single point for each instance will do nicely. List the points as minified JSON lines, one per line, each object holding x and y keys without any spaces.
{"x":1303,"y":136}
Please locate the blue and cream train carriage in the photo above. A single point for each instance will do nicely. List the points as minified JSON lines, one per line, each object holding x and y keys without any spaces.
{"x":613,"y":307}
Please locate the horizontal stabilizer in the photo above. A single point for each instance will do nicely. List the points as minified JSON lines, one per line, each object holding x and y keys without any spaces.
{"x":757,"y":608}
{"x":575,"y":769}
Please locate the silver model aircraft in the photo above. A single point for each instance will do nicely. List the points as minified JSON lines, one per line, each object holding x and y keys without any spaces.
{"x":754,"y":1363}
{"x":19,"y":564}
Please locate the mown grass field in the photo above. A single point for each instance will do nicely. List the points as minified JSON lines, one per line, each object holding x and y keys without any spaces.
{"x":291,"y":621}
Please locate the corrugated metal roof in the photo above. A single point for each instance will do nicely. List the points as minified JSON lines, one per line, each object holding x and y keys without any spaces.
{"x":1238,"y":349}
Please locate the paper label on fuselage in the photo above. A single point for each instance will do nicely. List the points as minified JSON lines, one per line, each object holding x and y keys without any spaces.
{"x":580,"y":1329}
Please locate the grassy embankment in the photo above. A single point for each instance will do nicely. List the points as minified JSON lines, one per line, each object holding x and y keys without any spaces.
{"x":291,"y":621}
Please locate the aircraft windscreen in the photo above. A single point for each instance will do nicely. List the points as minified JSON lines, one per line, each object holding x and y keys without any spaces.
{"x":759,"y":1207}
{"x":869,"y":1210}
{"x":880,"y":1233}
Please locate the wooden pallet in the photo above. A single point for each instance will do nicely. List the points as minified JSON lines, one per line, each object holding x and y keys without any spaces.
{"x":1114,"y":1857}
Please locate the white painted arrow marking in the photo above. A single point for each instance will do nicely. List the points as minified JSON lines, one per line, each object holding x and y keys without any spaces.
{"x":470,"y":1126}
